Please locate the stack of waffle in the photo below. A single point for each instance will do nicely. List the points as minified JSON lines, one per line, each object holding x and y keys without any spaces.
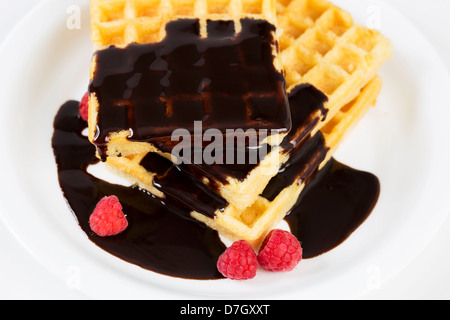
{"x":320,"y":53}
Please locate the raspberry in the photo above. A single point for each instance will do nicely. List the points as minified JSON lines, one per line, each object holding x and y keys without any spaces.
{"x":108,"y":218}
{"x":238,"y":262}
{"x":280,"y":251}
{"x":84,"y":107}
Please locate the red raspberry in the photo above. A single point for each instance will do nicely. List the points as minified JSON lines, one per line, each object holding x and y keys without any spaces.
{"x":108,"y":218}
{"x":238,"y":262}
{"x":84,"y":107}
{"x":280,"y":251}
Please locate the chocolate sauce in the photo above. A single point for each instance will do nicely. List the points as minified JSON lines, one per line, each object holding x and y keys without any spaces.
{"x":304,"y":160}
{"x":307,"y":108}
{"x":332,"y":206}
{"x":182,"y":189}
{"x":244,"y":160}
{"x":226,"y":80}
{"x":159,"y":238}
{"x":306,"y":152}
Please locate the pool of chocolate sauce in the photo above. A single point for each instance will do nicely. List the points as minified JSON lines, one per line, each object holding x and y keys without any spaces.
{"x":158,"y":237}
{"x":336,"y":201}
{"x":164,"y":239}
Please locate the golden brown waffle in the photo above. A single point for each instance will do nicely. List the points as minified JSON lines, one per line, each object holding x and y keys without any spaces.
{"x":253,"y":223}
{"x":320,"y":45}
{"x":121,"y":22}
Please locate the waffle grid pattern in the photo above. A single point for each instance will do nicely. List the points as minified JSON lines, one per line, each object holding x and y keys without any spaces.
{"x":326,"y":48}
{"x":121,"y":22}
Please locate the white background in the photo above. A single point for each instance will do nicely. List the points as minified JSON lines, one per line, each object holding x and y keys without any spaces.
{"x":428,"y":277}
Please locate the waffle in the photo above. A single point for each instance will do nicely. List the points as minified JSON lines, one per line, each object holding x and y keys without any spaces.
{"x":254,"y":223}
{"x":319,"y":44}
{"x":266,"y":212}
{"x":123,"y":23}
{"x":256,"y":178}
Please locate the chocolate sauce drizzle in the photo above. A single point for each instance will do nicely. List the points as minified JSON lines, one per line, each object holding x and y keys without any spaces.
{"x":182,"y":189}
{"x":303,"y":162}
{"x":307,"y":107}
{"x":161,"y":236}
{"x":306,"y":153}
{"x":226,"y":80}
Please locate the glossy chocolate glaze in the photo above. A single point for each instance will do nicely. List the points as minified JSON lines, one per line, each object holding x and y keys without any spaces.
{"x":182,"y":189}
{"x":307,"y":107}
{"x":226,"y":80}
{"x":304,"y":161}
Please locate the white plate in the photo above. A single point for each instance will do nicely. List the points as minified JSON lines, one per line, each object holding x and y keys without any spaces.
{"x":402,"y":141}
